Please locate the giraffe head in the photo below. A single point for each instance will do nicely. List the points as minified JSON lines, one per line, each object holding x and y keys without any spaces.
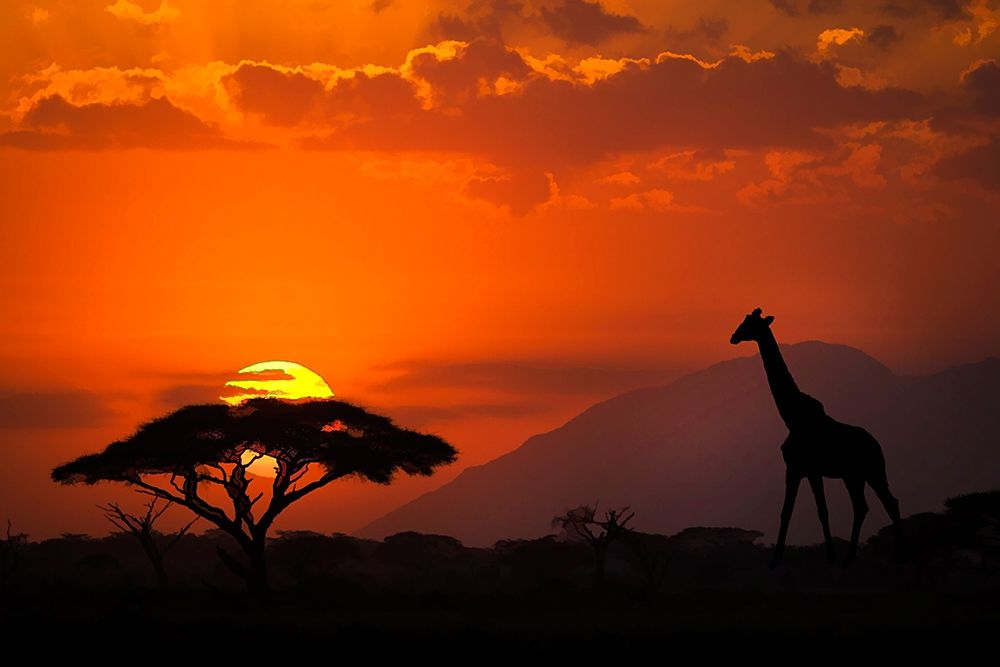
{"x":752,"y":327}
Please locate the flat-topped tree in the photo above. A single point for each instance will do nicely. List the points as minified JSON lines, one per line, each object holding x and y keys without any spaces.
{"x":313,"y":443}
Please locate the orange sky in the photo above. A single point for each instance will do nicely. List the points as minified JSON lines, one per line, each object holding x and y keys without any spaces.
{"x":478,"y":217}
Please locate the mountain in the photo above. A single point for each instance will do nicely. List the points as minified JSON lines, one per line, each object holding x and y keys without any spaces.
{"x":704,"y":451}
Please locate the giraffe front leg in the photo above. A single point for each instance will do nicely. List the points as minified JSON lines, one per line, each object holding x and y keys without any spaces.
{"x":792,"y":481}
{"x":816,"y":483}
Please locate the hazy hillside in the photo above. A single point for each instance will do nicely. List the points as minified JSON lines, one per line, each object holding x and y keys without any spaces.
{"x":704,"y":450}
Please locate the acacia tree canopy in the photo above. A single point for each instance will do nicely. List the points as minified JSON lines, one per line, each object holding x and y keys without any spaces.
{"x":175,"y":456}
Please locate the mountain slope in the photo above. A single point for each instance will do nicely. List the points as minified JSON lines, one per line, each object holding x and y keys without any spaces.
{"x":704,"y":450}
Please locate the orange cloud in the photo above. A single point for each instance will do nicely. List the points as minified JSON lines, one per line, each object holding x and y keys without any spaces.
{"x":837,"y":37}
{"x":129,"y":11}
{"x":656,"y":200}
{"x":621,"y":178}
{"x":686,"y":166}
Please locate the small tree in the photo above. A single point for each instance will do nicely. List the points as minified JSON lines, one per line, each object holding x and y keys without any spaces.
{"x":599,"y":533}
{"x":10,"y":554}
{"x":143,"y":528}
{"x":312,"y":443}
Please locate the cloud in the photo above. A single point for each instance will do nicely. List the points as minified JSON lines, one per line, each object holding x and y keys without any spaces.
{"x":982,"y":81}
{"x":907,"y":9}
{"x":795,"y":8}
{"x":53,"y":123}
{"x":418,"y":415}
{"x":282,"y":98}
{"x":694,"y":165}
{"x":481,"y":18}
{"x":461,"y":73}
{"x":586,"y":21}
{"x":656,"y":200}
{"x":837,"y":37}
{"x":520,"y":190}
{"x":713,"y":29}
{"x":179,"y":395}
{"x":39,"y":15}
{"x":884,"y":36}
{"x":517,"y":377}
{"x":981,"y":165}
{"x":53,"y":409}
{"x":674,"y":101}
{"x":129,"y":11}
{"x":481,"y":100}
{"x":783,"y":167}
{"x":620,"y":178}
{"x":379,"y":6}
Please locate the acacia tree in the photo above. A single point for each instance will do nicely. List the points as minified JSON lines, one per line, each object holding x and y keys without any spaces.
{"x":177,"y":456}
{"x":142,"y":526}
{"x":599,"y":533}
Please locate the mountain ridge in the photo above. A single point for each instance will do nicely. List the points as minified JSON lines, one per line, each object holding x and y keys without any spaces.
{"x":715,"y":429}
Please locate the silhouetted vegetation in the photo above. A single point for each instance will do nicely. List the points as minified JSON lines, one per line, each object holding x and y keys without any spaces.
{"x":312,"y":443}
{"x":155,"y":545}
{"x":11,"y":546}
{"x":582,"y":522}
{"x":412,"y":589}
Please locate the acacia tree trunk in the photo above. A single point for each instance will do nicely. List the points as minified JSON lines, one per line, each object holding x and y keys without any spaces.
{"x":254,"y":571}
{"x":599,"y":553}
{"x":257,"y":581}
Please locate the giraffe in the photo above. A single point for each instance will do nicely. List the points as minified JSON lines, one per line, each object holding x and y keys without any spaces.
{"x":818,"y":446}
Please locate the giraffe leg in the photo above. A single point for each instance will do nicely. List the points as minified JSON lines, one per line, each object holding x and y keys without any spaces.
{"x":856,"y":489}
{"x":816,"y":483}
{"x":880,"y":486}
{"x":792,"y":481}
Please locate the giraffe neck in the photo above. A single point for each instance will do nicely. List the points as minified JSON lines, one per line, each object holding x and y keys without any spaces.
{"x":783,"y":387}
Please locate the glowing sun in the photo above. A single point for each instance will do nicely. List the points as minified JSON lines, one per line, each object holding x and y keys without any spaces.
{"x":273,"y":379}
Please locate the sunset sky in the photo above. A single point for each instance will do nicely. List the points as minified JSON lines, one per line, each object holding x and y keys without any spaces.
{"x":476,"y":216}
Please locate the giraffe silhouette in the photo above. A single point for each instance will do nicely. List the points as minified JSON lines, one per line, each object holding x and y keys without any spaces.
{"x":818,"y":446}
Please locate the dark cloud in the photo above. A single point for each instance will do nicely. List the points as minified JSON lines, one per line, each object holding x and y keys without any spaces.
{"x":179,"y":395}
{"x":53,"y":409}
{"x":53,"y":123}
{"x":283,"y":98}
{"x":981,"y":165}
{"x":586,"y":22}
{"x":815,"y":7}
{"x":481,"y":18}
{"x":378,"y":6}
{"x":713,"y":29}
{"x":418,"y":415}
{"x":982,"y":82}
{"x":884,"y":36}
{"x":520,"y":190}
{"x":780,"y":101}
{"x":458,"y":81}
{"x":789,"y":7}
{"x":907,"y":9}
{"x":523,"y":378}
{"x":288,"y":98}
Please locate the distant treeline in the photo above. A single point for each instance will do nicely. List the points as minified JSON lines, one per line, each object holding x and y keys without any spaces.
{"x":958,"y":549}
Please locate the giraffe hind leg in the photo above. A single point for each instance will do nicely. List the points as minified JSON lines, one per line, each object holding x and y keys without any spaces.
{"x":880,"y":486}
{"x":856,"y":489}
